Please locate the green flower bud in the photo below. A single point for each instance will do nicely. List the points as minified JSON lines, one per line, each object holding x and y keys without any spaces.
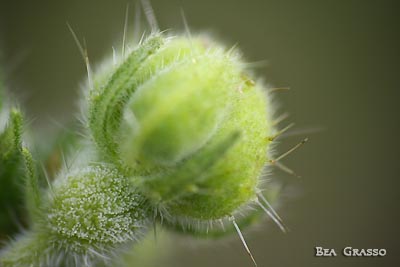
{"x":184,"y":119}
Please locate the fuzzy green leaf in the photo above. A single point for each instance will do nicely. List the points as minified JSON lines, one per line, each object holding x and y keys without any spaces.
{"x":32,"y":192}
{"x":11,"y":175}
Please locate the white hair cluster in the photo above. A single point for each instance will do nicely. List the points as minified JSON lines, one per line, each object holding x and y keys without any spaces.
{"x":91,"y":214}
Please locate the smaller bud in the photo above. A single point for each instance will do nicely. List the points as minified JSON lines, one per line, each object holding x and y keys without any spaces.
{"x":89,"y":215}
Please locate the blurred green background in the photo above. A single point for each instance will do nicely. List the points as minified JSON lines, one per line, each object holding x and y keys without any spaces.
{"x":341,"y":61}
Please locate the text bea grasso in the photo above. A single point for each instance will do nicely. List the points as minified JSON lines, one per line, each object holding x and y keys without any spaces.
{"x":350,"y":252}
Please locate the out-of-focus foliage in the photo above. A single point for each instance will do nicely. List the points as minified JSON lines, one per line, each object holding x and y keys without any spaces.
{"x":11,"y":174}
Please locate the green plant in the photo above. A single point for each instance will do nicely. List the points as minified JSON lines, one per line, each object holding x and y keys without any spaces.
{"x":180,"y":134}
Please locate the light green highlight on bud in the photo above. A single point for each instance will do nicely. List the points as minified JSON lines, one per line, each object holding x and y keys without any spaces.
{"x":178,"y":110}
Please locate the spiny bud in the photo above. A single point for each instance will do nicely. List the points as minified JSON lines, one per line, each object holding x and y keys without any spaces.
{"x":87,"y":217}
{"x":183,"y":118}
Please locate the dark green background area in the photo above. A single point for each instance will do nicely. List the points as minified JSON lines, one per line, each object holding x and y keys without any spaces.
{"x":341,"y":61}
